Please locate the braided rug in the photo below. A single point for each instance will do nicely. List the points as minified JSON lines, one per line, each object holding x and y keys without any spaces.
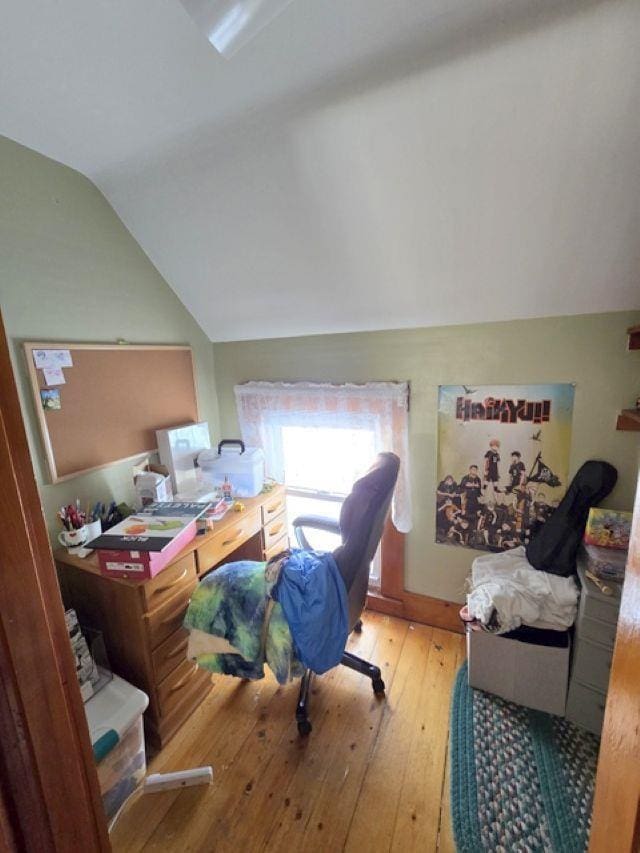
{"x":521,"y":780}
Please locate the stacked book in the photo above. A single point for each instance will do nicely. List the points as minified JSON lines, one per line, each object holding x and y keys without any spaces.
{"x":145,"y":543}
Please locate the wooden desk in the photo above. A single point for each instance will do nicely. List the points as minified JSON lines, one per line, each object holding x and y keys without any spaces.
{"x":142,"y":620}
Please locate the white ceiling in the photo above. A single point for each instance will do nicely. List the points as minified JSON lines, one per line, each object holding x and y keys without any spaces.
{"x":361,"y":164}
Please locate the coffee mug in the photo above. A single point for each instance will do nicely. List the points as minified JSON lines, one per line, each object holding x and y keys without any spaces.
{"x":94,"y":529}
{"x":73,"y":538}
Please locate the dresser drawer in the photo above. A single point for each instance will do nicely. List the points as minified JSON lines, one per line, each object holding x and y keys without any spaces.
{"x":223,"y":543}
{"x":274,"y":505}
{"x":179,"y":684}
{"x":168,"y":618}
{"x":275,"y":530}
{"x":585,"y":707}
{"x":169,"y":581}
{"x":597,"y":630}
{"x":591,"y":664}
{"x":170,"y":653}
{"x":281,"y":545}
{"x":605,"y":611}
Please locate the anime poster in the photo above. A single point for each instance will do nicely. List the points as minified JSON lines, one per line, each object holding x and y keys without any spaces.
{"x":503,"y":461}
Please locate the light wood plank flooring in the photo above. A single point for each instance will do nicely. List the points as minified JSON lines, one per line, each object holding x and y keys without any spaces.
{"x":372,"y":776}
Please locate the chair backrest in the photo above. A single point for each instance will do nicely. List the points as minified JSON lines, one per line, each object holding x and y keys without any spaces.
{"x":362,"y":520}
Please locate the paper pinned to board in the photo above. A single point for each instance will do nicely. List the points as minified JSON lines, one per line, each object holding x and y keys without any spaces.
{"x":50,"y":398}
{"x":54,"y":376}
{"x":52,"y":358}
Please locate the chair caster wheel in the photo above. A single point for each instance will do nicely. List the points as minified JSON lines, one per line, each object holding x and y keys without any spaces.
{"x":378,"y":686}
{"x":304,"y":728}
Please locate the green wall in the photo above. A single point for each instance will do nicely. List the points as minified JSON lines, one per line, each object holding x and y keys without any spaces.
{"x":589,"y":350}
{"x":70,"y":271}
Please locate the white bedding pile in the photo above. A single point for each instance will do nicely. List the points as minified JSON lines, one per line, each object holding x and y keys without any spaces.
{"x":508,"y":592}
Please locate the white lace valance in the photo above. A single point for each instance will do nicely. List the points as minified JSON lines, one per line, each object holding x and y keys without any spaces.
{"x":264,"y":408}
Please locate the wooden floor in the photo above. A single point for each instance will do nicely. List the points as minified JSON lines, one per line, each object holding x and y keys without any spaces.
{"x":372,"y":776}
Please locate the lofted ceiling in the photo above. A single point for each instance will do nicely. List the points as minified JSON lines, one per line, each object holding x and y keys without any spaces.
{"x":361,"y":164}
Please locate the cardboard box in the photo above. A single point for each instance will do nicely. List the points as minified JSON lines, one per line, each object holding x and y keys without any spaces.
{"x":525,"y":673}
{"x":152,"y":484}
{"x":142,"y":565}
{"x":144,"y":543}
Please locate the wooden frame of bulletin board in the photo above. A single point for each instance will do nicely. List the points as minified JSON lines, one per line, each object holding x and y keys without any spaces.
{"x":112,"y":400}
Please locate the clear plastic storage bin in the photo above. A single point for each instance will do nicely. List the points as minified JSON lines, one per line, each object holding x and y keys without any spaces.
{"x":114,"y":716}
{"x":242,"y":467}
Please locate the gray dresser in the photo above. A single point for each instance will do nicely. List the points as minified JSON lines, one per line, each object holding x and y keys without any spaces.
{"x":595,"y":633}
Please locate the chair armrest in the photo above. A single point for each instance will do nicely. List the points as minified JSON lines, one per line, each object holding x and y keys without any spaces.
{"x":313,"y":522}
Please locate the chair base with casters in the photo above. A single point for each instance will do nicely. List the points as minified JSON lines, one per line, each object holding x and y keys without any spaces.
{"x":360,"y":527}
{"x":353,"y":662}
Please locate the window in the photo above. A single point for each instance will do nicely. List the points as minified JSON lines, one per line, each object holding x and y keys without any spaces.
{"x":318,"y":438}
{"x":320,"y":466}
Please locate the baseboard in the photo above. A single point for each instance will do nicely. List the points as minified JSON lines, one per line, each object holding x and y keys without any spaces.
{"x":419,"y":608}
{"x":384,"y":604}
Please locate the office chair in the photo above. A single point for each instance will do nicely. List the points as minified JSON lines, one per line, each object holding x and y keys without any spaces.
{"x":362,"y":519}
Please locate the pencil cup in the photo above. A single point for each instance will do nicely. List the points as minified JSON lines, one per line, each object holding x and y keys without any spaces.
{"x":73,"y":538}
{"x":94,"y":529}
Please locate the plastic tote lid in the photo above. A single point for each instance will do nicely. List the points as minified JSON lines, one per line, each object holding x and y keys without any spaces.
{"x":114,"y":708}
{"x":230,"y":449}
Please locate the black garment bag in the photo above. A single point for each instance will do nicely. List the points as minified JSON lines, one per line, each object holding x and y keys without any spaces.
{"x":553,"y":548}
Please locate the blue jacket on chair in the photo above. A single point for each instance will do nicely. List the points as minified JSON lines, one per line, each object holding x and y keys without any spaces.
{"x":313,"y":597}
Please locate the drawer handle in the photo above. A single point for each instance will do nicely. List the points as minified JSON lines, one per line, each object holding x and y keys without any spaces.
{"x":273,"y":508}
{"x":275,"y":531}
{"x":169,"y":585}
{"x":178,"y":649}
{"x":175,"y":612}
{"x":183,"y":681}
{"x":235,"y":536}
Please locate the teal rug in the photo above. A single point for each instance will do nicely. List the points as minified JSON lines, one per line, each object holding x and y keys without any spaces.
{"x":521,"y":780}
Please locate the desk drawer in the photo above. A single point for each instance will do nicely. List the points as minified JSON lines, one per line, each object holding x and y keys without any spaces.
{"x":170,"y":653}
{"x":167,"y":618}
{"x":159,"y":730}
{"x":223,"y":543}
{"x":164,"y":585}
{"x":274,"y":505}
{"x":281,"y":545}
{"x":177,"y":685}
{"x":274,"y":531}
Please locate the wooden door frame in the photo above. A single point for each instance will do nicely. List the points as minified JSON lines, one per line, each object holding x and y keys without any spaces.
{"x":49,"y":794}
{"x":394,"y":600}
{"x":616,"y":809}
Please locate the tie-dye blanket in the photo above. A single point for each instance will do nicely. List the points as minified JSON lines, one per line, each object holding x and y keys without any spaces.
{"x":231,"y":603}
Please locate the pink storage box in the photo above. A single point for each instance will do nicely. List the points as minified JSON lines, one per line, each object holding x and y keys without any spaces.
{"x":142,"y":565}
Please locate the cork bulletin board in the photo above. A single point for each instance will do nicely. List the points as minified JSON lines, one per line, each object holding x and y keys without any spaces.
{"x":99,"y":403}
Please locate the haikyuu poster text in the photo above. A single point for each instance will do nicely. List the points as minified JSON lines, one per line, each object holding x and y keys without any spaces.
{"x":503,"y":461}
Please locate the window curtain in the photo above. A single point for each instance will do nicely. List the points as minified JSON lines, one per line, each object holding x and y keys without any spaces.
{"x":264,"y":408}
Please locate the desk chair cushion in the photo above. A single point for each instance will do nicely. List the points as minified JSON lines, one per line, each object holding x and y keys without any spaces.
{"x":362,"y":519}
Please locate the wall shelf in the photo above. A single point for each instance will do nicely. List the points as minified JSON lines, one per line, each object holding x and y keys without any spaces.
{"x":629,"y":420}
